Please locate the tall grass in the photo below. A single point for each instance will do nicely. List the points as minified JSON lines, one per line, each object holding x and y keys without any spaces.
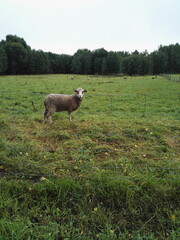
{"x":113,"y":173}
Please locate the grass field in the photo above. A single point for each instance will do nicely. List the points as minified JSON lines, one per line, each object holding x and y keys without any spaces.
{"x":112,"y":173}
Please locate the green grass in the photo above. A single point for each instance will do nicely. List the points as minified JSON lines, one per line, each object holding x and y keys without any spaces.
{"x":112,"y":173}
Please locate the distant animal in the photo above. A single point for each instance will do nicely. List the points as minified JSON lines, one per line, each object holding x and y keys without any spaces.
{"x":61,"y":102}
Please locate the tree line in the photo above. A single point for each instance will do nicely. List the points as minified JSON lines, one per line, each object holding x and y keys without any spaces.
{"x":16,"y":57}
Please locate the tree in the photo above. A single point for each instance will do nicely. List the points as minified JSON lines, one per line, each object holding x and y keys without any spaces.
{"x":16,"y":56}
{"x":177,"y":58}
{"x":16,"y":39}
{"x":66,"y":63}
{"x":99,"y":61}
{"x":31,"y":62}
{"x":128,"y":65}
{"x":141,"y":64}
{"x":112,"y":63}
{"x":3,"y":60}
{"x":55,"y":62}
{"x":81,"y":63}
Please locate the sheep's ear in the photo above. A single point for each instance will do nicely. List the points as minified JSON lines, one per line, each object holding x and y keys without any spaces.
{"x":85,"y":91}
{"x":75,"y":90}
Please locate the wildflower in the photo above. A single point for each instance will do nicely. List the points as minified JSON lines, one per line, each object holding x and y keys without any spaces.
{"x":95,"y":209}
{"x":42,"y":179}
{"x":112,"y":231}
{"x":173,"y":217}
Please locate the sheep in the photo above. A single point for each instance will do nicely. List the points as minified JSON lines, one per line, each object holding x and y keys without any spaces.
{"x":61,"y":102}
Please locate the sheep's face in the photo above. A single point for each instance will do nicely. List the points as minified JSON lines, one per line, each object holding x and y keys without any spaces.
{"x":80,"y":93}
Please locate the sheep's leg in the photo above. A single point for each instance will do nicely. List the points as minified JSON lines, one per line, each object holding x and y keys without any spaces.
{"x":70,"y":118}
{"x":49,"y":114}
{"x":45,"y":116}
{"x":49,"y":118}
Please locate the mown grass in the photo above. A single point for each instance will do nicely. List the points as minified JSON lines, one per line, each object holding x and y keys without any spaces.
{"x":113,"y":173}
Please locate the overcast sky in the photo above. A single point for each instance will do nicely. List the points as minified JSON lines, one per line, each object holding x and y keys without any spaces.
{"x":64,"y":26}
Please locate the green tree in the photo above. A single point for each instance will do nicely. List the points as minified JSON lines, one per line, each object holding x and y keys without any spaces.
{"x":81,"y":63}
{"x":141,"y":64}
{"x":112,"y":63}
{"x":128,"y":66}
{"x":66,"y":63}
{"x":56,"y":62}
{"x":16,"y":39}
{"x":121,"y":56}
{"x":38,"y":62}
{"x":16,"y":56}
{"x":31,"y":62}
{"x":177,"y":58}
{"x":162,"y":58}
{"x":99,"y":57}
{"x":3,"y":60}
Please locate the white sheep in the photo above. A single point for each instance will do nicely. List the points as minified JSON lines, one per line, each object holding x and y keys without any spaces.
{"x":61,"y":102}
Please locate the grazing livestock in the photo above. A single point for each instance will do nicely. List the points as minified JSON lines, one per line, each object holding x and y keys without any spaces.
{"x":61,"y":102}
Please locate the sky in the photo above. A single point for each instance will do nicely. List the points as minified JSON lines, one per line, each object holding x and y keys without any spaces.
{"x":64,"y":26}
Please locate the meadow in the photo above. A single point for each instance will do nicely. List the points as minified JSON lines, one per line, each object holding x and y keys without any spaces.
{"x":112,"y":173}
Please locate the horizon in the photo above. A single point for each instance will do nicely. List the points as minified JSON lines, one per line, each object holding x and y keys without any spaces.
{"x":130,"y":52}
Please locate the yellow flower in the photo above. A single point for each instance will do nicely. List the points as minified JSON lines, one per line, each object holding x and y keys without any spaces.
{"x":173,"y":217}
{"x":112,"y":231}
{"x":95,"y":209}
{"x":42,"y":179}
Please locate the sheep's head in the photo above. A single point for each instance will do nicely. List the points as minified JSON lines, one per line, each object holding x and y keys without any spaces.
{"x":79,"y":92}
